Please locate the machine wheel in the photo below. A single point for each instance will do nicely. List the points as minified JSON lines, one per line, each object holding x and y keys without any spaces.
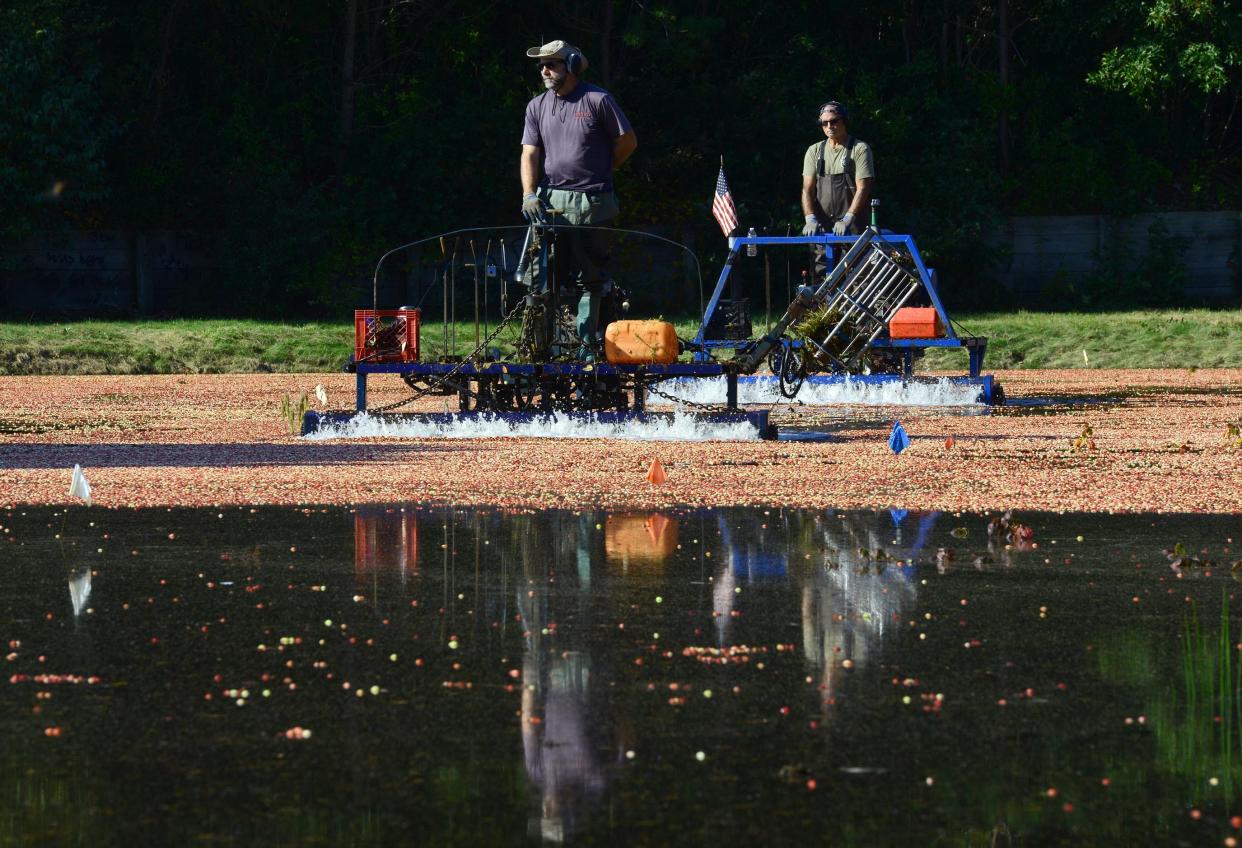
{"x":792,"y":373}
{"x":500,"y":396}
{"x":775,"y":356}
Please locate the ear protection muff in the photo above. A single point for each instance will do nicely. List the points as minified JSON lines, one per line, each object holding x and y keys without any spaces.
{"x":573,"y":63}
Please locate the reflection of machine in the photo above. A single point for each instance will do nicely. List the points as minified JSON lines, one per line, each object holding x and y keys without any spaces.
{"x":385,"y":542}
{"x":751,"y":556}
{"x":864,"y":585}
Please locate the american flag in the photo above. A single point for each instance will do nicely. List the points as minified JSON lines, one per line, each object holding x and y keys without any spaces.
{"x":722,"y":205}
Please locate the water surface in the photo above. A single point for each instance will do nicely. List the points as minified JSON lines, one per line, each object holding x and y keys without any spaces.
{"x":406,"y":675}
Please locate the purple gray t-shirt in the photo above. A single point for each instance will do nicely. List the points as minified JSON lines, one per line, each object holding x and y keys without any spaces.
{"x":576,"y":134}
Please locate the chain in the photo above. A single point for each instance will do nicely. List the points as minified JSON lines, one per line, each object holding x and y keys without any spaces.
{"x":448,"y":375}
{"x":706,"y":407}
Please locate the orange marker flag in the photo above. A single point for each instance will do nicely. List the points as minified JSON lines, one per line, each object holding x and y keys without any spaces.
{"x":655,"y":474}
{"x":949,"y":443}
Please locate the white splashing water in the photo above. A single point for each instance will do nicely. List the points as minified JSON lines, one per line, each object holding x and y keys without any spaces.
{"x":679,"y":427}
{"x":765,"y":390}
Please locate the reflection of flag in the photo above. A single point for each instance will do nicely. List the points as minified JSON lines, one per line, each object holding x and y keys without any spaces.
{"x":722,"y":205}
{"x":656,"y":525}
{"x":80,"y":589}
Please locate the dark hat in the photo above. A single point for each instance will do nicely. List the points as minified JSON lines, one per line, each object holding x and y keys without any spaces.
{"x":836,"y":106}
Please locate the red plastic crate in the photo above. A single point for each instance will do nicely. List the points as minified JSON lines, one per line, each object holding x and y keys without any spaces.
{"x":915,"y":322}
{"x":386,"y":335}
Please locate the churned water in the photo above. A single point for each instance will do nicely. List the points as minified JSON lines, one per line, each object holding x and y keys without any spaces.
{"x":429,"y":675}
{"x":766,"y":390}
{"x":679,"y":426}
{"x":863,"y":401}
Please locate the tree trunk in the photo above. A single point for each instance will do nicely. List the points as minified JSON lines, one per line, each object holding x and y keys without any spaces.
{"x":1002,"y":46}
{"x":944,"y":39}
{"x":346,"y":127}
{"x":908,"y":32}
{"x":958,"y":47}
{"x":605,"y":46}
{"x":159,"y":79}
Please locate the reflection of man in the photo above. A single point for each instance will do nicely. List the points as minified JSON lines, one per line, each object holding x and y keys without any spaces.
{"x":560,"y":754}
{"x":564,"y":708}
{"x":837,"y":177}
{"x":574,"y":137}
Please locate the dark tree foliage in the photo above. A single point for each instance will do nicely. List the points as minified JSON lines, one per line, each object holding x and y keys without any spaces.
{"x":314,"y":135}
{"x":53,"y":128}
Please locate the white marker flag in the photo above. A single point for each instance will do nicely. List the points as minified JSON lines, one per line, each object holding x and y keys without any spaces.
{"x":321,"y":394}
{"x":78,"y":487}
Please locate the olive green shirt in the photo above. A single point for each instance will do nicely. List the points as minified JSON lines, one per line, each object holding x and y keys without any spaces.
{"x":834,"y":158}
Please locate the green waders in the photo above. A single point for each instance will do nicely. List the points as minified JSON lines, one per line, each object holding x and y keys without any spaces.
{"x":587,"y":254}
{"x":835,"y":193}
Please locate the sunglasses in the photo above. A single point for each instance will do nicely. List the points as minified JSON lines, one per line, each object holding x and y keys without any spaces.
{"x":831,"y":122}
{"x":553,"y":64}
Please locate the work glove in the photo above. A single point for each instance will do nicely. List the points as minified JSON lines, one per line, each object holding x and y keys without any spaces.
{"x":812,"y":226}
{"x":533,"y":209}
{"x":842,"y":227}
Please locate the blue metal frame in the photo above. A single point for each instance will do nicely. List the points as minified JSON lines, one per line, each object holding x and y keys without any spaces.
{"x":703,"y":365}
{"x":976,"y":347}
{"x":985,"y":383}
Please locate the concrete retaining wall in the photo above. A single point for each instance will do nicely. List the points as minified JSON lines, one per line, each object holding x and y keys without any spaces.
{"x":113,"y":273}
{"x":1209,"y":245}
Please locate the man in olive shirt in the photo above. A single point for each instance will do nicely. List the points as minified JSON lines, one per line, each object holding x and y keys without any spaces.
{"x":837,"y":177}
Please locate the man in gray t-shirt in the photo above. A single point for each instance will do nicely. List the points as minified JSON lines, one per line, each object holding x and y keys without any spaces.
{"x":575,"y":135}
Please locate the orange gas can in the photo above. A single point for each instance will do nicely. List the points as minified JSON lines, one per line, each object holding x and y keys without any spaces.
{"x":640,"y":343}
{"x":915,"y":322}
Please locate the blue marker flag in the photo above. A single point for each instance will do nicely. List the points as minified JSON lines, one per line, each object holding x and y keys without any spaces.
{"x":898,"y":440}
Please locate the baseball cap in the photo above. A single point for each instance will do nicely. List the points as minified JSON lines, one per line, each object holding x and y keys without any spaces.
{"x":557,"y":50}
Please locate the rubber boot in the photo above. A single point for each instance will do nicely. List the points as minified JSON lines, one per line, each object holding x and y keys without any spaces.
{"x":588,"y":322}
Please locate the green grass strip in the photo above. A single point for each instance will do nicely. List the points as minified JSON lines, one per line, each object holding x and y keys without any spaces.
{"x":1197,"y":338}
{"x":1144,"y":339}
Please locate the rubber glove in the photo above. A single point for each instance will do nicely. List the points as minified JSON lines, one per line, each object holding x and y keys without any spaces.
{"x":842,"y":227}
{"x":533,"y":208}
{"x":812,"y":226}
